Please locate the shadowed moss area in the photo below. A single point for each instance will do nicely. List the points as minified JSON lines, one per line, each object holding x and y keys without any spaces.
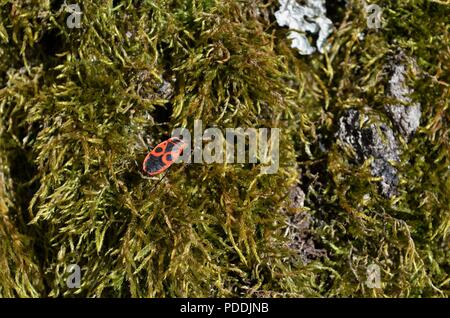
{"x":79,"y":108}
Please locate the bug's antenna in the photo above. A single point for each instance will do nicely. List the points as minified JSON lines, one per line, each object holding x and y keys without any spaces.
{"x":159,"y":181}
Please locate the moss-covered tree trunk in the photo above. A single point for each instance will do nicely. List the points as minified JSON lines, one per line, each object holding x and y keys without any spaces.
{"x":80,"y":106}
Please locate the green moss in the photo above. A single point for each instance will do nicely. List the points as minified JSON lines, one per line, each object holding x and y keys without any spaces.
{"x":76,"y":103}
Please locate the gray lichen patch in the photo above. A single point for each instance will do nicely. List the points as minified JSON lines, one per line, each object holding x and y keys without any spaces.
{"x":377,"y":141}
{"x":165,"y":90}
{"x":405,"y":115}
{"x":299,"y":233}
{"x":301,"y":19}
{"x":296,"y":197}
{"x":150,"y":87}
{"x":298,"y":229}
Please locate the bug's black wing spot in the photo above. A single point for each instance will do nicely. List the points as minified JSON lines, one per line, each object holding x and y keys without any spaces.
{"x":170,"y":146}
{"x":174,"y":145}
{"x":158,"y":149}
{"x":153,"y":164}
{"x":169,"y":157}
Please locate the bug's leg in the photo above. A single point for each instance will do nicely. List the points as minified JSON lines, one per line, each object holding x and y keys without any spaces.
{"x":159,"y":181}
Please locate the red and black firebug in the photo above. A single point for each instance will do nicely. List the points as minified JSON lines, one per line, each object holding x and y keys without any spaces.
{"x":163,"y":156}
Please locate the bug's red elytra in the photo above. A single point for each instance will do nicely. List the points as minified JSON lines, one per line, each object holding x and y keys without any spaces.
{"x":163,"y":156}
